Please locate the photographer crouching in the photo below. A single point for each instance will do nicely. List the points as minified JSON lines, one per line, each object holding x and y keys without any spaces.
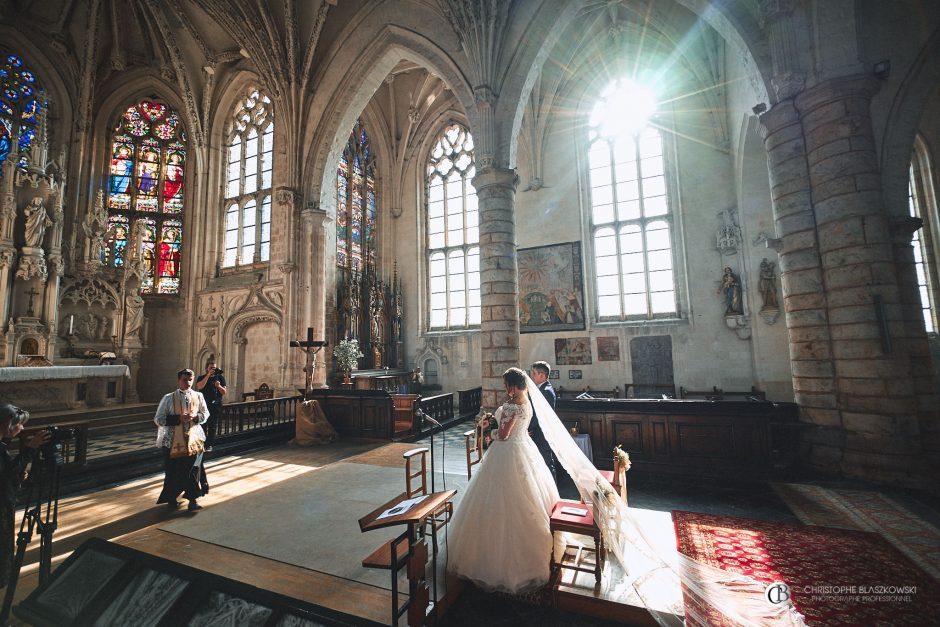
{"x":212,"y":386}
{"x":12,"y":470}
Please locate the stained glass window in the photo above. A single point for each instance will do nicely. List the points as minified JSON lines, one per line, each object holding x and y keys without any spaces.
{"x":921,"y":196}
{"x":248,"y":182}
{"x":22,"y":101}
{"x":356,"y":206}
{"x":453,"y":232}
{"x":631,"y":220}
{"x":145,"y":194}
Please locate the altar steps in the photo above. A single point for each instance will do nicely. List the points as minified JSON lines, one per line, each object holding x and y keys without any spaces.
{"x":113,"y":419}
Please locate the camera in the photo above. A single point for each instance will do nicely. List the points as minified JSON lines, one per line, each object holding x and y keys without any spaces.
{"x":51,"y":451}
{"x":217,"y":372}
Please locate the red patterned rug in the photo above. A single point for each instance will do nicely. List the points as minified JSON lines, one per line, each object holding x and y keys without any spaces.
{"x":835,"y":576}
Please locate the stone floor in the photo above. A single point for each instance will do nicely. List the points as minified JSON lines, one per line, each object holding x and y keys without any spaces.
{"x":129,"y":507}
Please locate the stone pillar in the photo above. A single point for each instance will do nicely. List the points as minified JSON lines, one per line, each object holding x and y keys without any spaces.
{"x":803,"y":285}
{"x":850,"y":358}
{"x":313,"y":285}
{"x":499,"y":288}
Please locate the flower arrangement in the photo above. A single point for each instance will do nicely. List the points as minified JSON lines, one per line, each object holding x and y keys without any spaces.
{"x":604,"y":492}
{"x":347,"y":355}
{"x":486,"y":423}
{"x":623,"y":458}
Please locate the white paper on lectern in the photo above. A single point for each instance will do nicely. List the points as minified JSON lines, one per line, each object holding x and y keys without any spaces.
{"x":574,"y":511}
{"x":402,"y":507}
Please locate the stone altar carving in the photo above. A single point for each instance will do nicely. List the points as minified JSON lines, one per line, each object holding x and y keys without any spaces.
{"x":133,"y":315}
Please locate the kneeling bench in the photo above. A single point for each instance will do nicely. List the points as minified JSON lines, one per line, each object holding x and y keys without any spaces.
{"x":580,"y":525}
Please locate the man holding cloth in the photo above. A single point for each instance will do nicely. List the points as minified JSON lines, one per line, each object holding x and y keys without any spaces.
{"x":212,"y":386}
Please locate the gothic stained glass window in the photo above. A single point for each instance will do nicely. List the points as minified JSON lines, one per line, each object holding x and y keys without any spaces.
{"x":248,"y":182}
{"x":145,"y":194}
{"x":22,"y":103}
{"x":453,"y":232}
{"x":631,"y":222}
{"x":356,"y":205}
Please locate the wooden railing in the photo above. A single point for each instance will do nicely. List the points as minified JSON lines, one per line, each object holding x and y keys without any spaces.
{"x":440,"y":407}
{"x":468,"y":401}
{"x":255,"y":416}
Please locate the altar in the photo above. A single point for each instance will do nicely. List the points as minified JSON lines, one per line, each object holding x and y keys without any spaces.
{"x":50,"y":388}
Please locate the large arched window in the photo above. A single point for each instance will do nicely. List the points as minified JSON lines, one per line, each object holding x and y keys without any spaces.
{"x":356,"y":203}
{"x":21,"y":105}
{"x":631,"y":219}
{"x":922,"y":203}
{"x":453,"y":231}
{"x":145,"y":194}
{"x":248,"y":183}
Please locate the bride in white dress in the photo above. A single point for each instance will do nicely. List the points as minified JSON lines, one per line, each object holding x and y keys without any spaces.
{"x":499,"y":537}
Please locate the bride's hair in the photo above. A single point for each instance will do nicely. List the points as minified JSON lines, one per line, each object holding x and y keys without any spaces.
{"x":514,"y":377}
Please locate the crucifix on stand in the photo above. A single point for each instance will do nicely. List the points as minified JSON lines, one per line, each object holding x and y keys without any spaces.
{"x":310,"y":347}
{"x":32,"y":293}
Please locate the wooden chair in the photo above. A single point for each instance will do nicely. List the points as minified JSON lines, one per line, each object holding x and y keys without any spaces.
{"x":473,"y":443}
{"x":416,"y":484}
{"x":580,"y":525}
{"x":263,"y":393}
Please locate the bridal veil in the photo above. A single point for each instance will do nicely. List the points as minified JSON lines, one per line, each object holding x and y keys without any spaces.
{"x":717,"y":593}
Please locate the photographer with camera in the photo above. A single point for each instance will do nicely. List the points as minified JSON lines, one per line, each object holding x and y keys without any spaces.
{"x":212,"y":386}
{"x":12,"y":471}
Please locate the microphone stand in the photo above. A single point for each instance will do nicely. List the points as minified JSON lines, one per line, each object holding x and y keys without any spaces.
{"x":435,"y":424}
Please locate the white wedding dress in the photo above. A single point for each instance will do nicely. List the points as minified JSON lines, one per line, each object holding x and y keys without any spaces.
{"x":499,"y":537}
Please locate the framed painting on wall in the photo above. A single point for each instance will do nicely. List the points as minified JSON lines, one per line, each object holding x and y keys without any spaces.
{"x":608,"y":348}
{"x":551,"y":290}
{"x":574,"y":374}
{"x":554,"y":374}
{"x":572,"y":351}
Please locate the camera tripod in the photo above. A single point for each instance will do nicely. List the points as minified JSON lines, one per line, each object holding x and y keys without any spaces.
{"x":41,"y":514}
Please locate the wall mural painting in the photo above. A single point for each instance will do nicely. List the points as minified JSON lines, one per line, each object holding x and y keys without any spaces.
{"x":551,"y":291}
{"x":608,"y":348}
{"x":572,"y":351}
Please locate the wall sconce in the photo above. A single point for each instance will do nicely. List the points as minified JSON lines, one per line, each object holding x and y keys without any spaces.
{"x":882,"y":69}
{"x":759,"y":108}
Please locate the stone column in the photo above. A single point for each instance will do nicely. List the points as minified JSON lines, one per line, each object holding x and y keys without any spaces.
{"x":852,"y":367}
{"x":313,"y":284}
{"x":499,"y":288}
{"x":802,"y":282}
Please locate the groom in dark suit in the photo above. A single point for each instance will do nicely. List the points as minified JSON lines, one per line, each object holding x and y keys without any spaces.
{"x":539,"y":373}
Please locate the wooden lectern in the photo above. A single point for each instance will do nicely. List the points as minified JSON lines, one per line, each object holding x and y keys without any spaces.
{"x":407,"y":550}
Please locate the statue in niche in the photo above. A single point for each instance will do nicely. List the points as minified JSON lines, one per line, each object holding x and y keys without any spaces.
{"x":354,"y":300}
{"x":768,"y":285}
{"x":376,"y":311}
{"x":731,"y":287}
{"x":37,"y":221}
{"x":133,"y":315}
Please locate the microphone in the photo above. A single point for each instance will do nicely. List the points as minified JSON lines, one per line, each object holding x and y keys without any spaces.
{"x":421,"y":414}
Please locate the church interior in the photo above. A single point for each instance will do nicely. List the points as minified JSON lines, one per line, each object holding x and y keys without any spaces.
{"x":717,"y":221}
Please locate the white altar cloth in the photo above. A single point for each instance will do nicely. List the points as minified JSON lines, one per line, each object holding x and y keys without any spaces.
{"x":47,"y":373}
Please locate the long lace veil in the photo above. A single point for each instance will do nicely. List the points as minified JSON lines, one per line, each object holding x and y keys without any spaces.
{"x":711,"y":593}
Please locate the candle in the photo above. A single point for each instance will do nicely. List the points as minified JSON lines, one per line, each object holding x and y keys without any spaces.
{"x":113,"y":327}
{"x":71,"y":321}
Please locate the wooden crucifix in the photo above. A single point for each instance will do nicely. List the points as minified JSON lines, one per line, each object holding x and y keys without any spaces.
{"x":32,"y":293}
{"x":310,"y":347}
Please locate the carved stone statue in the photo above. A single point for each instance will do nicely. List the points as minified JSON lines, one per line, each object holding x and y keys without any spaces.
{"x":768,"y":285}
{"x":731,"y":287}
{"x":37,"y":221}
{"x":376,"y":312}
{"x":133,"y":315}
{"x":354,"y":301}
